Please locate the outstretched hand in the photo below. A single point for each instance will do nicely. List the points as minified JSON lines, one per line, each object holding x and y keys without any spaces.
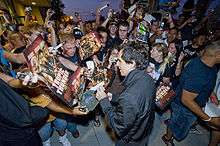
{"x":28,"y":78}
{"x":101,"y":93}
{"x":77,"y":111}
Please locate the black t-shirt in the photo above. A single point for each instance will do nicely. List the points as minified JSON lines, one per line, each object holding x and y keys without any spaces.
{"x":102,"y":53}
{"x":113,"y":42}
{"x":187,"y":32}
{"x":190,"y":52}
{"x":16,"y":116}
{"x":198,"y":78}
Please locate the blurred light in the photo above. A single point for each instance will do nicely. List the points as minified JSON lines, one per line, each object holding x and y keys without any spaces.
{"x":71,"y":17}
{"x":33,"y":3}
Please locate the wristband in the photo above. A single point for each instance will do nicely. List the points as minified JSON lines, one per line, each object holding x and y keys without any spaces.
{"x":208,"y":119}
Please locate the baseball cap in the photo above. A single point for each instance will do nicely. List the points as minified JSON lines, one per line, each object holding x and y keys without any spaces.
{"x":77,"y":33}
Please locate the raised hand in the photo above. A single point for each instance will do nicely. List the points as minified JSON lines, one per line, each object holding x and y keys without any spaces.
{"x":110,"y":13}
{"x":54,"y":50}
{"x":50,"y":13}
{"x":50,"y":24}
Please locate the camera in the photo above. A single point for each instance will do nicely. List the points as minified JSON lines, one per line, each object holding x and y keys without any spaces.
{"x":76,"y":14}
{"x":162,"y":25}
{"x":28,"y":9}
{"x":211,"y":10}
{"x":194,"y":20}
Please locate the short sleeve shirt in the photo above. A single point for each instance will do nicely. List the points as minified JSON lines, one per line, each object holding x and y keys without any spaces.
{"x":198,"y":78}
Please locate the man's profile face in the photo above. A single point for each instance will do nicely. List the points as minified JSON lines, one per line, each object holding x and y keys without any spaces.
{"x":123,"y":67}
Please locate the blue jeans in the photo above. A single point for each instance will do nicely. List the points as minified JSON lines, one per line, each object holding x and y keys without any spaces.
{"x":46,"y":130}
{"x":71,"y":125}
{"x":181,"y":121}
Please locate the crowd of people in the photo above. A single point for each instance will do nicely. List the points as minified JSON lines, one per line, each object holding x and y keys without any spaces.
{"x":144,"y":47}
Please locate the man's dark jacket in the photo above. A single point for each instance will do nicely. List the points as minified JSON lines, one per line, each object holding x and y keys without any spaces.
{"x":132,"y":117}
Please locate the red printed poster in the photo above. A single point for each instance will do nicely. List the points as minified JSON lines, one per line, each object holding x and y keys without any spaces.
{"x":50,"y":71}
{"x":89,"y":45}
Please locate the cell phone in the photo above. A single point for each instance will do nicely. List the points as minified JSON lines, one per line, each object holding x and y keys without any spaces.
{"x":211,"y":10}
{"x":76,"y":14}
{"x":162,"y":25}
{"x":194,"y":20}
{"x":51,"y":12}
{"x":28,"y":9}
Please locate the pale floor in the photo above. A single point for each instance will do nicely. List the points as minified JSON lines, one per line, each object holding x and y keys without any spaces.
{"x":97,"y":136}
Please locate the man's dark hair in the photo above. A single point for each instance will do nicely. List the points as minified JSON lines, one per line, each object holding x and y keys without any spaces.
{"x":101,"y":29}
{"x":124,"y":23}
{"x":133,"y":51}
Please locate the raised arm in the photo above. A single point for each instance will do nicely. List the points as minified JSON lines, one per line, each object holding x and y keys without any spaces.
{"x":110,"y":13}
{"x":16,"y":83}
{"x":53,"y":33}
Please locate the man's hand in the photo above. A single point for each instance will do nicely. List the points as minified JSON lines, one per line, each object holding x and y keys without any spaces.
{"x":181,"y":57}
{"x":110,"y":13}
{"x":96,"y":60}
{"x":109,"y":96}
{"x":214,"y":123}
{"x":125,"y":41}
{"x":50,"y":13}
{"x":50,"y":24}
{"x":190,"y":20}
{"x":101,"y":93}
{"x":78,"y":112}
{"x":55,"y":50}
{"x":27,"y":77}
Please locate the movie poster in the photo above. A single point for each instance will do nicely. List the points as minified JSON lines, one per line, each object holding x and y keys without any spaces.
{"x":69,"y":87}
{"x":58,"y":79}
{"x":89,"y":45}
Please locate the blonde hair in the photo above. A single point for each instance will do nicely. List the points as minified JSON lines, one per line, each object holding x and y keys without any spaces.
{"x":167,"y":60}
{"x":65,"y":37}
{"x":32,"y":27}
{"x":12,"y":36}
{"x":161,"y":48}
{"x":168,"y":57}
